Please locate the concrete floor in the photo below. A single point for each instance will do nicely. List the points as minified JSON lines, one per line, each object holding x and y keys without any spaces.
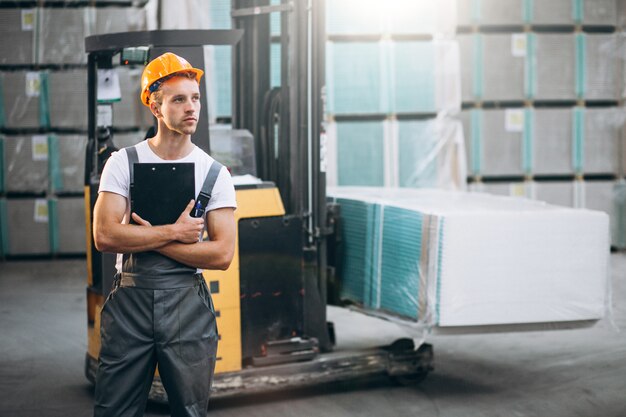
{"x":549,"y":373}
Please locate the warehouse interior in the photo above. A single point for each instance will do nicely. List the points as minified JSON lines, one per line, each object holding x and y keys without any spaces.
{"x":451,"y":191}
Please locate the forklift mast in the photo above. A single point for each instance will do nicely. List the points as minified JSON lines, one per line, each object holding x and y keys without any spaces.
{"x":286,"y":122}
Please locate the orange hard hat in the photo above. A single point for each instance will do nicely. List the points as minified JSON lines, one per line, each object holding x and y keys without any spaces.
{"x":161,"y":67}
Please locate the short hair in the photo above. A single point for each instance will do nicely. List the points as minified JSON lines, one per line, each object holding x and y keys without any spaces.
{"x":157,"y":94}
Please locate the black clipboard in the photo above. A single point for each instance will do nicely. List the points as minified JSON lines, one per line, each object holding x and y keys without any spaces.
{"x":161,"y":191}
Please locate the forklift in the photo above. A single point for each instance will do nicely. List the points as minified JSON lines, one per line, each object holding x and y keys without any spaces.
{"x":271,"y":304}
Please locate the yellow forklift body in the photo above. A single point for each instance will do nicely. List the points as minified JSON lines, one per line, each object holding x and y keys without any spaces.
{"x":224,"y":285}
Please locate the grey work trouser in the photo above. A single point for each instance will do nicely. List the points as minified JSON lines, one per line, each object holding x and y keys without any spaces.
{"x":150,"y":321}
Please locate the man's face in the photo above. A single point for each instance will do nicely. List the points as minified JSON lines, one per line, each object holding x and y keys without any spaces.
{"x":180,"y":107}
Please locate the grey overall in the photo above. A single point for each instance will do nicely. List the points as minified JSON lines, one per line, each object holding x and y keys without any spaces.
{"x":159,"y":312}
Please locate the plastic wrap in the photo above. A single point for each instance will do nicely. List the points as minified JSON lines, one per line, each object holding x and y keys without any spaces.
{"x":437,"y":258}
{"x":543,"y":141}
{"x":18,"y":25}
{"x":67,"y":159}
{"x":549,"y":13}
{"x":406,"y":153}
{"x":26,"y":163}
{"x":540,"y":66}
{"x":69,"y":221}
{"x":393,"y":77}
{"x":68,"y":98}
{"x":27,"y":232}
{"x":235,"y":149}
{"x":23,"y":98}
{"x":358,"y":17}
{"x":601,"y":195}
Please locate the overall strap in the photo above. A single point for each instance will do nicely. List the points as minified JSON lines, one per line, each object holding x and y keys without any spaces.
{"x":209,"y":182}
{"x":131,"y":153}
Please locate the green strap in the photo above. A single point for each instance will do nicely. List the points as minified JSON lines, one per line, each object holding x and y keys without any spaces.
{"x":581,"y":58}
{"x":530,"y":67}
{"x":476,"y":138}
{"x":476,"y":11}
{"x":53,"y":226}
{"x":528,"y":141}
{"x":528,"y":10}
{"x":44,"y":105}
{"x":54,"y":164}
{"x":4,"y":231}
{"x":578,"y":11}
{"x":578,"y":130}
{"x":478,"y":76}
{"x":2,"y":116}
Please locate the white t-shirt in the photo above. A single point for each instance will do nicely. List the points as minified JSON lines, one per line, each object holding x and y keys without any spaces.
{"x":116,"y":178}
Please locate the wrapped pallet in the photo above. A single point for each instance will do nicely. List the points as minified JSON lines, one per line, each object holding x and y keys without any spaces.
{"x":405,"y":153}
{"x":453,"y":261}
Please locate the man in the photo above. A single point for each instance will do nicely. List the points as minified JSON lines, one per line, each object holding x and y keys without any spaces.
{"x":160,"y":310}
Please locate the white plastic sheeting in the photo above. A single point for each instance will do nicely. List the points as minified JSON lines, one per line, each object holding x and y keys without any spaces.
{"x":455,"y":259}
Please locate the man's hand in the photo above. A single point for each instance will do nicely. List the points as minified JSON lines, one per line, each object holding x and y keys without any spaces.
{"x":187,"y":229}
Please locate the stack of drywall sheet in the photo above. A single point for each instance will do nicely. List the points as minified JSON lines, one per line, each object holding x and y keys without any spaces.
{"x":68,"y":99}
{"x":23,"y":99}
{"x":25,"y":226}
{"x":450,"y":259}
{"x":405,"y":153}
{"x":67,"y":157}
{"x":18,"y":25}
{"x":68,"y":225}
{"x":25,"y":163}
{"x":543,"y":141}
{"x":61,"y":35}
{"x":393,"y":77}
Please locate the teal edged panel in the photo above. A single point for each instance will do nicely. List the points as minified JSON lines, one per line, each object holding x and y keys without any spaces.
{"x":578,"y":11}
{"x":530,"y":66}
{"x":476,"y":141}
{"x":418,"y":145}
{"x":476,"y":11}
{"x":528,"y":140}
{"x":44,"y":100}
{"x":360,"y":150}
{"x":400,"y":269}
{"x":54,"y":165}
{"x":371,"y":293}
{"x":53,"y":224}
{"x":356,"y":228}
{"x":578,"y":145}
{"x":222,"y":65}
{"x":478,"y":64}
{"x":528,"y":6}
{"x":219,"y":14}
{"x":581,"y":59}
{"x":412,"y":75}
{"x":275,"y":65}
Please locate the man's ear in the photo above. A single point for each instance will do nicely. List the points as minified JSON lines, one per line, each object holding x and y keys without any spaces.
{"x":155,"y":109}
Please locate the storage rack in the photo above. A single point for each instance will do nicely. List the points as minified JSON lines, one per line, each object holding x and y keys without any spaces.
{"x":582,"y":122}
{"x":43,"y":119}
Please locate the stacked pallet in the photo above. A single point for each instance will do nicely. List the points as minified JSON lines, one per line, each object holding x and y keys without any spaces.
{"x":455,"y":259}
{"x":542,"y":87}
{"x":393,"y":89}
{"x":43,"y":118}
